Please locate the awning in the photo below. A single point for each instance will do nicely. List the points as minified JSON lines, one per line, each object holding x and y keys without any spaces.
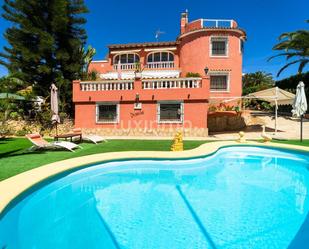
{"x":272,"y":95}
{"x":275,"y":96}
{"x":148,"y":74}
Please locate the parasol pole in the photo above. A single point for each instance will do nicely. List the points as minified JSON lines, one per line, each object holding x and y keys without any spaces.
{"x":56,"y":128}
{"x":301,"y":128}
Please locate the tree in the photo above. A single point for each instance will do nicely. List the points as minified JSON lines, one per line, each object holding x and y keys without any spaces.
{"x":87,"y":56}
{"x":8,"y":85}
{"x":44,"y":44}
{"x":296,"y":47}
{"x":253,"y":82}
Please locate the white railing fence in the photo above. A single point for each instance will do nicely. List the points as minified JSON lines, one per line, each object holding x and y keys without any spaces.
{"x":162,"y":64}
{"x":172,"y":83}
{"x":107,"y":86}
{"x":126,"y":66}
{"x":146,"y":84}
{"x":217,"y":23}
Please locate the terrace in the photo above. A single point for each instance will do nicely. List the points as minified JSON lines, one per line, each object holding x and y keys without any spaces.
{"x":210,"y":24}
{"x":147,"y":89}
{"x":218,"y":23}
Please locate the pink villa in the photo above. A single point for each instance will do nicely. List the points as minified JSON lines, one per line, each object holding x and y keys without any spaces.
{"x":156,"y":88}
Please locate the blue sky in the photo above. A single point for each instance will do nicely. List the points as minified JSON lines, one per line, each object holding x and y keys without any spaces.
{"x":126,"y":21}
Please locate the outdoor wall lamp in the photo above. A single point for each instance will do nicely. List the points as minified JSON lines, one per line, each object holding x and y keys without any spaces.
{"x":137,"y":97}
{"x":137,"y":104}
{"x":206,"y":69}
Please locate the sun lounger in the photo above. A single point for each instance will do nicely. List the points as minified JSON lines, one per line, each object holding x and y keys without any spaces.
{"x":92,"y":138}
{"x":40,"y":143}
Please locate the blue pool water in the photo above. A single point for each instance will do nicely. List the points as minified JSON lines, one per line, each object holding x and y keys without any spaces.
{"x":240,"y":197}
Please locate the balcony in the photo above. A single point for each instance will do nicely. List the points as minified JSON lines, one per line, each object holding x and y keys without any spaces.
{"x":172,"y":83}
{"x":125,"y":66}
{"x":106,"y":85}
{"x":113,"y":85}
{"x":160,"y":65}
{"x":147,"y":89}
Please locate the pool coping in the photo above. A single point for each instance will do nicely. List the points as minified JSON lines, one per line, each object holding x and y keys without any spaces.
{"x":13,"y":187}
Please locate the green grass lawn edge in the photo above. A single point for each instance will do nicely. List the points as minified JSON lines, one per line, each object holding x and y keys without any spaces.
{"x":15,"y":157}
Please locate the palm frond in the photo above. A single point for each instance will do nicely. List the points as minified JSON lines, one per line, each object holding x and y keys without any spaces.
{"x":287,"y":54}
{"x":287,"y":65}
{"x":302,"y":65}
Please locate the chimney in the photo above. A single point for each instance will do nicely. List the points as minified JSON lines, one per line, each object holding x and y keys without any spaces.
{"x":184,"y":21}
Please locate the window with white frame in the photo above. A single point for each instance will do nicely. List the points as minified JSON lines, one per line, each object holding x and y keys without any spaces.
{"x":218,"y":46}
{"x":170,"y":112}
{"x":107,"y":113}
{"x":219,"y":82}
{"x":160,"y":57}
{"x":126,"y":59}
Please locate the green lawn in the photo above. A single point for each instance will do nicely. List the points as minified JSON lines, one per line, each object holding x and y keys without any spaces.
{"x":295,"y":142}
{"x":15,"y":158}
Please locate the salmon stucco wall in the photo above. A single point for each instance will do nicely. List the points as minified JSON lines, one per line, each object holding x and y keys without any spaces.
{"x":195,"y":116}
{"x":195,"y":56}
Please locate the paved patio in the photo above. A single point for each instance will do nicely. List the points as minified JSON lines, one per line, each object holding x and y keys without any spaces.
{"x":288,"y":128}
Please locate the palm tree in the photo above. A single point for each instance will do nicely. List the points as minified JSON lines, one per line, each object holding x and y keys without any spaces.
{"x":296,"y":47}
{"x":257,"y":81}
{"x":87,"y":56}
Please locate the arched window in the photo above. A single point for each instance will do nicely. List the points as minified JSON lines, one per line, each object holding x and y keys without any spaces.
{"x":160,"y":57}
{"x":126,"y":58}
{"x":160,"y":60}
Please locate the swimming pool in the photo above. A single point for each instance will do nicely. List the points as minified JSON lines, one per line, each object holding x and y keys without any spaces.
{"x":240,"y":197}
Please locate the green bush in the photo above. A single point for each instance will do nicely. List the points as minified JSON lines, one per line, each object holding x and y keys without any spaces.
{"x":5,"y":130}
{"x":237,"y":109}
{"x":22,"y":132}
{"x":62,"y":116}
{"x":43,"y":117}
{"x":193,"y":75}
{"x":212,"y":108}
{"x":92,"y":75}
{"x":14,"y":115}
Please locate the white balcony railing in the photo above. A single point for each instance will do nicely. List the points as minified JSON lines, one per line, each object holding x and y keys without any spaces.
{"x":217,"y":23}
{"x":126,"y":66}
{"x":172,"y":83}
{"x":162,"y":64}
{"x":107,"y":85}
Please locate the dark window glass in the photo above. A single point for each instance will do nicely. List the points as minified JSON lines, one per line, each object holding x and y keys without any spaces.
{"x":136,"y":58}
{"x":116,"y":59}
{"x":156,"y":57}
{"x":218,"y":82}
{"x":171,"y":57}
{"x":131,"y":58}
{"x":170,"y":112}
{"x":164,"y":56}
{"x":123,"y":59}
{"x":107,"y":113}
{"x":150,"y":58}
{"x":218,"y":47}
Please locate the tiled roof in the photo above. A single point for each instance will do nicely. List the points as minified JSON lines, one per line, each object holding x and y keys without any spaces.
{"x":143,"y":44}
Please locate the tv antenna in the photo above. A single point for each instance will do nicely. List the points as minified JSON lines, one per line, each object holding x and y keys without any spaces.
{"x":158,"y":33}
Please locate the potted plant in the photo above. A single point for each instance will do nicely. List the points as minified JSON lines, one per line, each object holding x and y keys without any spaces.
{"x":138,"y":70}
